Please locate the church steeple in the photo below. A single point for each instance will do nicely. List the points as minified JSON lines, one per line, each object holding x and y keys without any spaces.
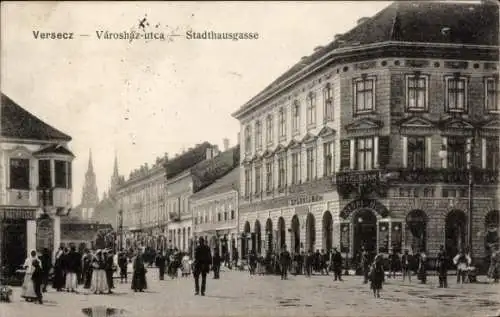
{"x":115,"y":178}
{"x":90,"y":198}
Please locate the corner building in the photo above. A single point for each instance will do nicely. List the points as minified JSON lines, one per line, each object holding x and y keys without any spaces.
{"x":370,"y":141}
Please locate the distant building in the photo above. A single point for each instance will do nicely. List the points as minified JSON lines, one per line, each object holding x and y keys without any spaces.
{"x":90,"y":197}
{"x":35,"y":184}
{"x":215,"y":212}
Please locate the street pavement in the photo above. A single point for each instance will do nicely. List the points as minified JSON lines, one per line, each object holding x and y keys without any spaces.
{"x":238,"y":294}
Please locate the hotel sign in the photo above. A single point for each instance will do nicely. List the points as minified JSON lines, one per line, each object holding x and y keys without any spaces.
{"x":304,"y":199}
{"x":372,"y":204}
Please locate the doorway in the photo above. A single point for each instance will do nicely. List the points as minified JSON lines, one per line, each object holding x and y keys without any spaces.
{"x":295,"y":236}
{"x":14,"y":242}
{"x":365,"y":231}
{"x":455,"y":232}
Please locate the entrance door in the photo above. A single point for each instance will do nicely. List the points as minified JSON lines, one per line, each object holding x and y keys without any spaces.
{"x":365,"y":231}
{"x":14,"y":244}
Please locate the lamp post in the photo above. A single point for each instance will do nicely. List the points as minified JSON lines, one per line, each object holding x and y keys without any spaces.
{"x":470,"y":154}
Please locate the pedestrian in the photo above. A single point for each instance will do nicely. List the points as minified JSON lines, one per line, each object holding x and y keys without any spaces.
{"x":324,"y":262}
{"x":462,"y":261}
{"x":252,"y":262}
{"x":406,"y":265}
{"x":202,"y":261}
{"x":494,"y":268}
{"x":186,"y":265}
{"x":337,"y":264}
{"x":422,"y":267}
{"x":59,"y":280}
{"x":442,"y":268}
{"x":72,"y":267}
{"x":285,"y":260}
{"x":394,"y":263}
{"x":377,"y":275}
{"x":365,"y":265}
{"x":37,"y":278}
{"x":87,"y":269}
{"x":46,"y":264}
{"x":160,"y":264}
{"x":28,"y":287}
{"x":139,"y":276}
{"x":109,"y":269}
{"x":99,"y":283}
{"x":308,"y":263}
{"x":123,"y":264}
{"x":216,"y":261}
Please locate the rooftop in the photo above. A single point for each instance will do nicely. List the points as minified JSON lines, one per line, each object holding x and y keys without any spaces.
{"x":411,"y":21}
{"x":230,"y":181}
{"x":18,"y":123}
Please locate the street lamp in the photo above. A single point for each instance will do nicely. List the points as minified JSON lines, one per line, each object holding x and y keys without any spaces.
{"x":470,"y":154}
{"x":120,"y":228}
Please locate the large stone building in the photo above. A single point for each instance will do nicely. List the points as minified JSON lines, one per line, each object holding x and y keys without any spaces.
{"x":368,"y":142}
{"x":215,"y":209}
{"x":35,"y":184}
{"x":141,"y":199}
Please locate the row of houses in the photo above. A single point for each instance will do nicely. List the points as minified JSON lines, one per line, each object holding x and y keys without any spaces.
{"x":386,"y":138}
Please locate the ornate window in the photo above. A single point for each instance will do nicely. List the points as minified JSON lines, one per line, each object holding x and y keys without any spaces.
{"x":19,"y":173}
{"x":416,"y":152}
{"x":493,"y":153}
{"x":296,"y":118}
{"x":364,"y":94}
{"x":269,"y":129}
{"x":281,"y":171}
{"x":258,"y":179}
{"x":491,"y":94}
{"x":311,"y":110}
{"x":269,"y":176}
{"x":44,"y":175}
{"x":457,"y":156}
{"x":456,"y":94}
{"x":310,"y":166}
{"x":364,"y":153}
{"x":232,"y":215}
{"x":62,"y":172}
{"x":258,"y":135}
{"x":282,"y":122}
{"x":328,"y":159}
{"x":416,"y":92}
{"x":295,"y":168}
{"x":328,"y":103}
{"x":248,"y":181}
{"x":248,"y":139}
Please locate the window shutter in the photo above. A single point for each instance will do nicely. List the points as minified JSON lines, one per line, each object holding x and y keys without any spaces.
{"x":384,"y":151}
{"x":345,"y":154}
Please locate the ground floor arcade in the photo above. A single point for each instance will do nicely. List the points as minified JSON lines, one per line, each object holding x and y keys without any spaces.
{"x":377,"y":225}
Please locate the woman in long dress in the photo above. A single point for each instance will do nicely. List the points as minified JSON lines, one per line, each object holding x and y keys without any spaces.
{"x":99,"y":282}
{"x":186,"y":265}
{"x":377,"y":275}
{"x":139,"y":275}
{"x":28,"y":288}
{"x":59,"y":279}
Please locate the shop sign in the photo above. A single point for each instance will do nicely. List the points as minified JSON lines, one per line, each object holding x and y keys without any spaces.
{"x":364,"y":203}
{"x":27,"y":214}
{"x":304,"y":199}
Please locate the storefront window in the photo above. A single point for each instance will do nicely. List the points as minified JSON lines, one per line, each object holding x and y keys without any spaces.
{"x":383,"y":235}
{"x":416,"y":231}
{"x":396,"y":237}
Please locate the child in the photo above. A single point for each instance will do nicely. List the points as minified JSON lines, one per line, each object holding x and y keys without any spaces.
{"x":37,"y":278}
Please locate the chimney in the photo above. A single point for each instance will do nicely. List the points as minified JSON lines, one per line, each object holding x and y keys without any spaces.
{"x":362,"y":20}
{"x":209,"y":153}
{"x":338,"y":36}
{"x":225,"y":143}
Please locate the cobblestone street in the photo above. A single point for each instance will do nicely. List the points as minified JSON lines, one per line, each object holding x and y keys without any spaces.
{"x":238,"y":294}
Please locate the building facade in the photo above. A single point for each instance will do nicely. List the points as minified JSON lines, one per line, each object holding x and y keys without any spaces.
{"x":381,"y":139}
{"x":215,"y":213}
{"x":35,"y":184}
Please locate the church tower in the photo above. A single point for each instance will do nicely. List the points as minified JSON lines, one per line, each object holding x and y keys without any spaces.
{"x":115,"y":179}
{"x":90,"y":197}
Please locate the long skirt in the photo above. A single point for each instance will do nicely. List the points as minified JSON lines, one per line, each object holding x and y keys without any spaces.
{"x":99,"y":282}
{"x":87,"y":277}
{"x":28,"y":288}
{"x":59,"y":279}
{"x":139,"y":281}
{"x":71,"y":281}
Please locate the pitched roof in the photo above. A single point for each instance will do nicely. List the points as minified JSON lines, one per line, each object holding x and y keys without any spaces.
{"x":230,"y":181}
{"x":20,"y":124}
{"x":55,"y":149}
{"x":412,"y":21}
{"x":187,"y":160}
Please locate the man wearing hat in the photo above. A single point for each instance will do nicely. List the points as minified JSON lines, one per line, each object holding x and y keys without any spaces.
{"x":202,"y":262}
{"x":337,"y":264}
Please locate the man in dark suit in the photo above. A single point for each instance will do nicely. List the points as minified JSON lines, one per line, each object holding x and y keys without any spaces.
{"x":202,"y":262}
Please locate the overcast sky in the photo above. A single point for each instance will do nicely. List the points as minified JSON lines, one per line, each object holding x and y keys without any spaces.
{"x":140,"y":98}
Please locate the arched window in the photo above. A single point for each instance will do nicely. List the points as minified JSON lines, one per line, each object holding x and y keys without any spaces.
{"x":248,"y":139}
{"x":328,"y":103}
{"x":269,"y":129}
{"x":416,"y":230}
{"x":311,"y":109}
{"x":258,"y":135}
{"x":296,"y":117}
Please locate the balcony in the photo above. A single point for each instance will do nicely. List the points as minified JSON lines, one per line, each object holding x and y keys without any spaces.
{"x":222,"y":225}
{"x":54,"y":197}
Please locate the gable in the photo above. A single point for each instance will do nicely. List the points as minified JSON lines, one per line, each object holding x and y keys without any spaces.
{"x":267,"y":153}
{"x":364,"y":124}
{"x":326,"y":131}
{"x":309,"y":138}
{"x":456,"y":124}
{"x":279,"y":148}
{"x":493,"y":124}
{"x":416,"y":122}
{"x":293,"y":144}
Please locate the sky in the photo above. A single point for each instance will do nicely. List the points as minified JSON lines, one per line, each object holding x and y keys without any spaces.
{"x":142,"y":98}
